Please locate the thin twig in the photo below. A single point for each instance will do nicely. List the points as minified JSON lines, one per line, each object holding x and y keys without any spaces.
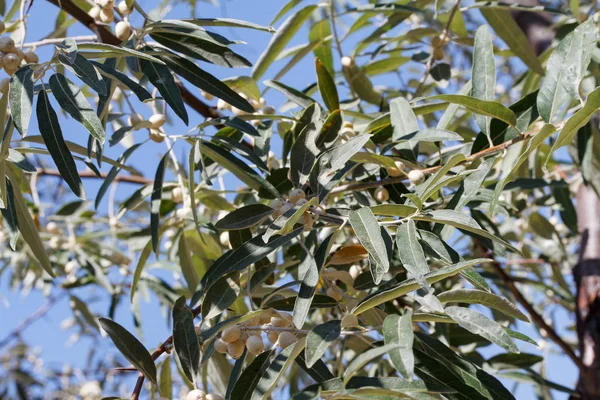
{"x":45,"y":42}
{"x":537,"y":318}
{"x":140,"y":180}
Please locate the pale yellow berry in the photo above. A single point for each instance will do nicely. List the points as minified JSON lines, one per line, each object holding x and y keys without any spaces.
{"x":2,"y":27}
{"x":354,"y":271}
{"x":107,"y":15}
{"x":439,"y":41}
{"x":157,"y":120}
{"x":334,"y":294}
{"x":177,"y":195}
{"x":105,"y":3}
{"x":212,"y":396}
{"x":123,"y":30}
{"x":286,"y":207}
{"x":52,"y":227}
{"x":222,"y":105}
{"x":279,"y":322}
{"x":347,"y":61}
{"x":207,"y":95}
{"x":220,"y":346}
{"x":196,"y":394}
{"x":7,"y":45}
{"x":54,"y":243}
{"x":224,"y":239}
{"x":31,"y":57}
{"x":396,"y":171}
{"x":135,"y":119}
{"x":273,"y":336}
{"x":94,"y":12}
{"x":236,"y":349}
{"x":231,"y":334}
{"x":416,"y":177}
{"x":347,"y":133}
{"x":268,"y":110}
{"x":4,"y":84}
{"x":276,"y":204}
{"x":11,"y":61}
{"x":349,"y":321}
{"x":381,"y":194}
{"x":286,"y":339}
{"x":348,"y":124}
{"x":255,"y":345}
{"x":297,"y":194}
{"x":438,"y":53}
{"x":237,"y":112}
{"x":10,"y":71}
{"x":157,"y":136}
{"x":123,"y":9}
{"x":308,"y":222}
{"x":71,"y":266}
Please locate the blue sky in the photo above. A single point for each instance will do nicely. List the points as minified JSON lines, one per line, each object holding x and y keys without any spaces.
{"x":46,"y":332}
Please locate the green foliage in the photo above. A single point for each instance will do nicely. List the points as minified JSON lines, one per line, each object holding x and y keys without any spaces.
{"x":397,"y":212}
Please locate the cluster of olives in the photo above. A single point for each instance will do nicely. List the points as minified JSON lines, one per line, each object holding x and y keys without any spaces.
{"x":11,"y":57}
{"x":296,"y":197}
{"x":415,"y":177}
{"x":234,"y":339}
{"x":104,"y":11}
{"x":154,"y":125}
{"x":198,"y":394}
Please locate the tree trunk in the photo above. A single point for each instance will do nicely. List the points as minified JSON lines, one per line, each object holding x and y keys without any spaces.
{"x":587,"y":279}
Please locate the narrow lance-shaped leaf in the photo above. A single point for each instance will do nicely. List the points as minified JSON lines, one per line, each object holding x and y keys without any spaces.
{"x":246,"y":383}
{"x":155,"y":200}
{"x":327,"y":86}
{"x":398,"y":330}
{"x":488,"y":108}
{"x":244,"y":217}
{"x":473,"y":296}
{"x":240,"y":258}
{"x":533,"y":144}
{"x":319,"y":339}
{"x":160,"y":76}
{"x":577,"y":121}
{"x":53,"y":137}
{"x":85,"y":71}
{"x":368,"y":232}
{"x":479,"y":324}
{"x":565,"y":70}
{"x":185,"y":340}
{"x":462,"y":221}
{"x":303,"y":155}
{"x":20,"y":98}
{"x":310,"y":280}
{"x":71,"y":100}
{"x":505,"y":26}
{"x":363,"y":359}
{"x":403,"y":118}
{"x":277,"y":368}
{"x":410,"y":251}
{"x":207,"y":82}
{"x":381,"y":296}
{"x":284,"y":34}
{"x":131,"y":348}
{"x":27,"y":226}
{"x":112,"y":174}
{"x":484,"y":73}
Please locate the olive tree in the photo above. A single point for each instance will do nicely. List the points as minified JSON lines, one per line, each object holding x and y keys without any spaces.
{"x":402,"y":225}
